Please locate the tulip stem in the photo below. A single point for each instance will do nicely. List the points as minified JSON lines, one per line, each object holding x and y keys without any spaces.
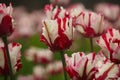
{"x":8,"y":57}
{"x":63,"y":62}
{"x":5,"y":77}
{"x":91,"y":44}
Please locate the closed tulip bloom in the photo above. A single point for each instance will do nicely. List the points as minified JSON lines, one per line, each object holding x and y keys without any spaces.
{"x":81,"y":66}
{"x":6,"y":25}
{"x":109,"y":43}
{"x":90,"y":24}
{"x":14,"y":49}
{"x":58,"y":34}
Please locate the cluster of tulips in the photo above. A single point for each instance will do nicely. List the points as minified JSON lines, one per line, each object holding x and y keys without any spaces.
{"x":58,"y":30}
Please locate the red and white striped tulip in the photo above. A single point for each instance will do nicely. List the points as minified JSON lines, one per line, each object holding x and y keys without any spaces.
{"x":14,"y":49}
{"x":58,"y":33}
{"x":109,"y":43}
{"x":81,"y":66}
{"x":90,"y":24}
{"x":6,"y":25}
{"x":107,"y":70}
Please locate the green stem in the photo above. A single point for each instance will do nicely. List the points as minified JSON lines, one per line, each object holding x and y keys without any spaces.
{"x":91,"y":44}
{"x":5,"y":77}
{"x":8,"y":57}
{"x":63,"y":62}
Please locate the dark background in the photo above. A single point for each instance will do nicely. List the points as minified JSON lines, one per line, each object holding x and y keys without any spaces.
{"x":39,"y":4}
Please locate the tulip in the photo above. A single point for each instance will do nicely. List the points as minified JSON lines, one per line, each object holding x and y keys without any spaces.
{"x":90,"y":24}
{"x":57,"y":34}
{"x":109,"y":43}
{"x":81,"y":66}
{"x":14,"y":49}
{"x":6,"y":25}
{"x":107,"y":70}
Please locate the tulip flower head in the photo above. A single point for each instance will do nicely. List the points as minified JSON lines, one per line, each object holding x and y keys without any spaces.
{"x":107,"y":70}
{"x":14,"y":49}
{"x":109,"y":43}
{"x":90,"y":24}
{"x":58,"y":33}
{"x":6,"y":25}
{"x":81,"y":66}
